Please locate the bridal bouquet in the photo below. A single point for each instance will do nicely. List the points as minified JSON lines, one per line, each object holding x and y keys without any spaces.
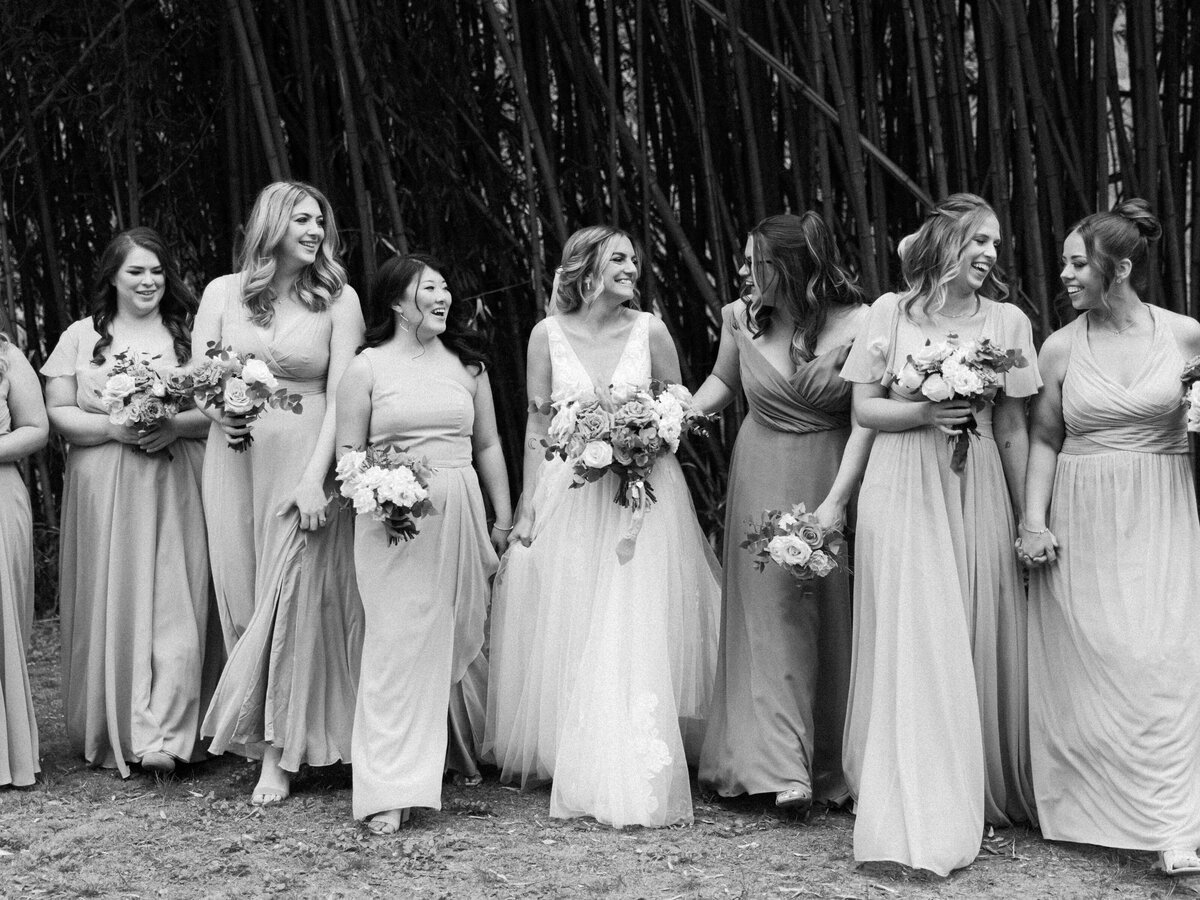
{"x":139,"y":394}
{"x":795,"y":542}
{"x":623,"y":431}
{"x":390,"y":485}
{"x":1191,"y":392}
{"x":240,"y":385}
{"x":956,"y":369}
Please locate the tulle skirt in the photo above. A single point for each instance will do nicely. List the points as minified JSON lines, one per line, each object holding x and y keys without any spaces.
{"x":602,"y":670}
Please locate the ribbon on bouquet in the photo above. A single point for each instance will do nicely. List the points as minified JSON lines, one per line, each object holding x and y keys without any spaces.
{"x":637,"y":508}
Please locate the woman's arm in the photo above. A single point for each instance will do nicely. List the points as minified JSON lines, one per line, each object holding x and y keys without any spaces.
{"x":191,"y":423}
{"x":832,"y":510}
{"x":30,"y":427}
{"x":353,"y":416}
{"x":1046,"y":432}
{"x":1012,"y":440}
{"x":489,"y":462}
{"x":716,"y":393}
{"x":309,"y":497}
{"x":81,"y":428}
{"x":877,"y":411}
{"x":664,"y":358}
{"x":538,"y":389}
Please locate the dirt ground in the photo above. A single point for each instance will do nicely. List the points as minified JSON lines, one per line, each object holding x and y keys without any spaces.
{"x":87,"y":833}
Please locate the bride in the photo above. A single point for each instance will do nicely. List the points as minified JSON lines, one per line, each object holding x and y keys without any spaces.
{"x":601,"y":669}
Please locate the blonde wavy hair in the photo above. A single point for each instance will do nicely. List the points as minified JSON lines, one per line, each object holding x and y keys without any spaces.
{"x":930,"y":258}
{"x":577,"y":279}
{"x":318,"y":284}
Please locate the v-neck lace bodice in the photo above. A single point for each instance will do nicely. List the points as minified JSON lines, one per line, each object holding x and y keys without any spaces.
{"x":568,"y":375}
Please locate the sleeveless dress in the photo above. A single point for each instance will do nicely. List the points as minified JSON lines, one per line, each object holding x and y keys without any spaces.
{"x":1114,"y":639}
{"x":602,"y":670}
{"x":288,"y":600}
{"x":18,"y":727}
{"x":425,"y":599}
{"x":783,"y":670}
{"x":134,"y":582}
{"x":936,"y":738}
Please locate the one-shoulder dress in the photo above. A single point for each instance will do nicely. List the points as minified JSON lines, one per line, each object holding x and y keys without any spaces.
{"x":425,"y":599}
{"x":936,"y":738}
{"x":783,"y":670}
{"x":18,"y":726}
{"x":1114,"y":623}
{"x":288,"y":598}
{"x":601,"y":670}
{"x":133,"y":582}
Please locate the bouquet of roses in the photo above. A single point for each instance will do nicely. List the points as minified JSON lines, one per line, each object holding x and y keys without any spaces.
{"x":796,"y":542}
{"x":141,"y":395}
{"x":623,"y":431}
{"x":953,"y":369}
{"x":389,"y":484}
{"x":240,"y":385}
{"x":1191,"y":392}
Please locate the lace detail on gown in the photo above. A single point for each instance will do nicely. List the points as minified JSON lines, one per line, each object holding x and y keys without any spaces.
{"x":568,"y":375}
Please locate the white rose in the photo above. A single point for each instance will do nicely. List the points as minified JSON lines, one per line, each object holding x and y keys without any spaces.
{"x":255,"y":371}
{"x":119,"y":386}
{"x":597,"y":455}
{"x":936,"y":388}
{"x":563,"y":423}
{"x":789,"y":551}
{"x":962,"y":379}
{"x":910,"y":379}
{"x":237,"y":399}
{"x":929,"y":356}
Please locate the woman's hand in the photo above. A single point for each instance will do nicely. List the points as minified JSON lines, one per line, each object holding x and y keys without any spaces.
{"x":949,"y":415}
{"x":122,"y":433}
{"x":522,"y":531}
{"x":499,"y":538}
{"x":310,"y":501}
{"x":161,"y":436}
{"x":235,"y":427}
{"x":1036,"y":548}
{"x":831,"y":514}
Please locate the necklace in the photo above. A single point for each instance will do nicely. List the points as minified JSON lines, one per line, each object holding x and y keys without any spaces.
{"x":1133,"y":321}
{"x":962,"y":315}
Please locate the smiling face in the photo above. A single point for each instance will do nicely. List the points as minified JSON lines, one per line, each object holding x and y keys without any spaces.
{"x":302,"y":239}
{"x":1083,"y":281}
{"x":139,"y":282}
{"x":978,"y":258}
{"x":750,"y":289}
{"x":426,"y":304}
{"x":618,"y":270}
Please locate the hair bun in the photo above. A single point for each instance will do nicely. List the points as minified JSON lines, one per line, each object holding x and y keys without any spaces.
{"x":1138,"y":212}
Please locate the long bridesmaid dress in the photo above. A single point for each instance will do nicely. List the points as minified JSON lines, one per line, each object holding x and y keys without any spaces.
{"x":783,"y":669}
{"x":425,"y":600}
{"x":134,"y":583}
{"x":1114,"y":650}
{"x":288,"y":599}
{"x":18,"y":726}
{"x":936,"y":738}
{"x":602,"y":670}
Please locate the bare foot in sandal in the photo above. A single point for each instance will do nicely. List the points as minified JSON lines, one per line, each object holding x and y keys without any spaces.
{"x":388,"y":822}
{"x":274,"y":784}
{"x":1179,"y":861}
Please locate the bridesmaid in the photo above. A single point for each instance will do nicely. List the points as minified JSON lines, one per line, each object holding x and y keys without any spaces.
{"x":282,"y":556}
{"x":936,"y":741}
{"x":134,"y":580}
{"x":783,"y":669}
{"x":1114,"y":653}
{"x":420,"y":384}
{"x":23,"y":431}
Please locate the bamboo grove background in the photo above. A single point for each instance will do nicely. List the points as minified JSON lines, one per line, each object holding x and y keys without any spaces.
{"x":486,"y":131}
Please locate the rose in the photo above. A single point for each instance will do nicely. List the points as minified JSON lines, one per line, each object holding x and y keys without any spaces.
{"x":936,"y":388}
{"x":158,"y":388}
{"x":563,"y":423}
{"x":255,"y":371}
{"x":931,"y":355}
{"x":119,"y":386}
{"x":351,"y":463}
{"x":680,"y":393}
{"x":597,"y":455}
{"x":593,"y":424}
{"x":909,"y":378}
{"x":237,"y":398}
{"x":153,"y":410}
{"x":961,"y":378}
{"x":634,"y":413}
{"x":789,"y":551}
{"x":821,"y":564}
{"x":811,"y":533}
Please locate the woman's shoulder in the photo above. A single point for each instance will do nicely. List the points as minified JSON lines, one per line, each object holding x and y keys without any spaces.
{"x":735,"y":314}
{"x":82,"y":329}
{"x":1185,"y":329}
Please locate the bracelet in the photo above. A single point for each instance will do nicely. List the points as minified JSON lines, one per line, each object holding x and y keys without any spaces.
{"x":498,"y":528}
{"x":1029,"y":530}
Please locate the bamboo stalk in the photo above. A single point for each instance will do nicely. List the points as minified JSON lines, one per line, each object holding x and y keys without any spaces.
{"x":1103,"y":32}
{"x":257,"y":94}
{"x":914,"y":81}
{"x":254,"y":39}
{"x":741,"y":79}
{"x":937,"y":144}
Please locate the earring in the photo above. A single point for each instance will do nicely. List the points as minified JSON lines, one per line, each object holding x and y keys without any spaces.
{"x":403,"y":318}
{"x":587,"y":284}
